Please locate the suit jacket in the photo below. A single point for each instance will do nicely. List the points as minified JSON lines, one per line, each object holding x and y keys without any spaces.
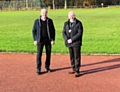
{"x":75,"y":34}
{"x":36,"y":31}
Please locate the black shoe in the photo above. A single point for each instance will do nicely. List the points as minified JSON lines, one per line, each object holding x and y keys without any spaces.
{"x":38,"y":72}
{"x":47,"y":70}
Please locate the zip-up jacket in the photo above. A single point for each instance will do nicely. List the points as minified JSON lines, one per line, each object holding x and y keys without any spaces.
{"x":36,"y":31}
{"x":74,"y":33}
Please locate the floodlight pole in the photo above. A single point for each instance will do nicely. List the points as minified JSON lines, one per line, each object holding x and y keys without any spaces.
{"x":53,"y":4}
{"x":65,"y":4}
{"x":26,"y":4}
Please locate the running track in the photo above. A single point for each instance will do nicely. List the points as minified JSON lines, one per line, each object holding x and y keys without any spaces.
{"x":99,"y":74}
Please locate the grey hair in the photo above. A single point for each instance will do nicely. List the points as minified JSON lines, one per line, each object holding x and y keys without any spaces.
{"x":44,"y":10}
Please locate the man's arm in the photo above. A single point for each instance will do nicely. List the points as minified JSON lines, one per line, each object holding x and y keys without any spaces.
{"x":34,"y":33}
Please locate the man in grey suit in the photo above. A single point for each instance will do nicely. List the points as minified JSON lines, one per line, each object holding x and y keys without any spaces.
{"x":43,"y":35}
{"x":72,"y":33}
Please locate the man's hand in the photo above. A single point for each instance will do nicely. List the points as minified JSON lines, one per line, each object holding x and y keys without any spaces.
{"x":35,"y":42}
{"x":69,"y":41}
{"x":52,"y":42}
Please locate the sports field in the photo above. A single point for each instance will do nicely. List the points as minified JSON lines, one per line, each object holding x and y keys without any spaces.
{"x":101,"y":30}
{"x":99,"y":73}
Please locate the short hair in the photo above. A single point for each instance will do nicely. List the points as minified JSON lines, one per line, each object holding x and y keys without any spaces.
{"x":44,"y":10}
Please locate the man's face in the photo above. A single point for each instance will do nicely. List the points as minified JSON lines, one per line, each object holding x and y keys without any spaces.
{"x":44,"y":14}
{"x":71,"y":15}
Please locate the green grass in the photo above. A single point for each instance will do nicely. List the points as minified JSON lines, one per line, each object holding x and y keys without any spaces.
{"x":101,"y":30}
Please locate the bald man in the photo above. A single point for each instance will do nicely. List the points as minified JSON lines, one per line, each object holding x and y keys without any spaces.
{"x":43,"y":35}
{"x":72,"y":34}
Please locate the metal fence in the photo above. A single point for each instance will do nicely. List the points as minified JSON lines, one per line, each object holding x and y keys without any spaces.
{"x":36,"y":5}
{"x":21,"y":5}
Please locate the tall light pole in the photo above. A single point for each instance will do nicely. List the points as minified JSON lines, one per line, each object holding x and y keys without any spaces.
{"x":65,"y":4}
{"x":26,"y":4}
{"x":53,"y":4}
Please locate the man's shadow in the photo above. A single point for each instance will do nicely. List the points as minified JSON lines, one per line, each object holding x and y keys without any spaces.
{"x":95,"y":70}
{"x":100,"y":69}
{"x":54,"y":70}
{"x":63,"y":68}
{"x":106,"y":61}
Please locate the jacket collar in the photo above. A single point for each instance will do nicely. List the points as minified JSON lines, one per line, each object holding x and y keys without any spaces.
{"x":42,"y":19}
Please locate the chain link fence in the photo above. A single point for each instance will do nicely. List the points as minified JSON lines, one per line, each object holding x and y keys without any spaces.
{"x":38,"y":4}
{"x":21,"y":5}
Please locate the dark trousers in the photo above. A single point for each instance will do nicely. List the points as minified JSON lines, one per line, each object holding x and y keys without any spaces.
{"x":75,"y":58}
{"x":39,"y":54}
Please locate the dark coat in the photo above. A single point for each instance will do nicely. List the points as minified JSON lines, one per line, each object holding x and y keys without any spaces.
{"x":36,"y":31}
{"x":75,"y":34}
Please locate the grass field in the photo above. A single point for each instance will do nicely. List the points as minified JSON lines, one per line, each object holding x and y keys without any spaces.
{"x":101,"y":30}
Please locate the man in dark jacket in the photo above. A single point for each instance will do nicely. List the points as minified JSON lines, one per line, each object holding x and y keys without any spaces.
{"x":72,"y":33}
{"x":43,"y":35}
